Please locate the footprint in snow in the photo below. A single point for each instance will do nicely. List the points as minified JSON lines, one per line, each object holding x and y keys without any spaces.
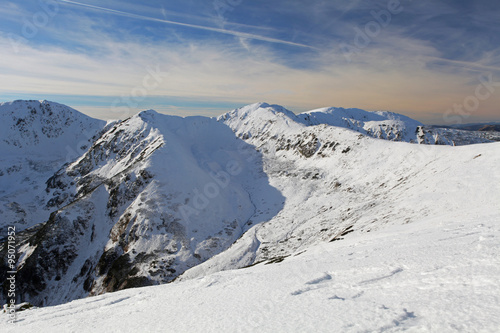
{"x":325,"y":277}
{"x":118,"y":300}
{"x":337,"y":297}
{"x":313,"y":284}
{"x":394,"y":272}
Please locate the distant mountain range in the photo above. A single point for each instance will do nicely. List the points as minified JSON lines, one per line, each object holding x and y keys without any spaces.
{"x":482,"y":127}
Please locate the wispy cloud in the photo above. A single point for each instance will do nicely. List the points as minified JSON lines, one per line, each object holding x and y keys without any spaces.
{"x":188,"y":25}
{"x":10,"y":11}
{"x":476,"y":66}
{"x":380,"y":79}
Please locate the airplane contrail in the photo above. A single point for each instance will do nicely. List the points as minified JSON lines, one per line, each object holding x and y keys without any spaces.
{"x":194,"y":26}
{"x":466,"y":63}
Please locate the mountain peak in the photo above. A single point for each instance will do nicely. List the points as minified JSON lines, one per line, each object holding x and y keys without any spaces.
{"x":336,"y":114}
{"x":259,"y":105}
{"x":148,"y":115}
{"x":260,"y":111}
{"x":46,"y":125}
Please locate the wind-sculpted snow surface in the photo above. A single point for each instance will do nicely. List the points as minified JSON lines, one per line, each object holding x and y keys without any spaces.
{"x":434,"y":275}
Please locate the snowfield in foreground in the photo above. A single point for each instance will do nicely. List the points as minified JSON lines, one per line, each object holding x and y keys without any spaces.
{"x":428,"y":276}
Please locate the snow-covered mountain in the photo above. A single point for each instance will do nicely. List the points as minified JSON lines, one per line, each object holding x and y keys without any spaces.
{"x":357,"y":233}
{"x":43,"y":127}
{"x":155,"y":198}
{"x":378,"y":124}
{"x":337,"y":182}
{"x":37,"y":138}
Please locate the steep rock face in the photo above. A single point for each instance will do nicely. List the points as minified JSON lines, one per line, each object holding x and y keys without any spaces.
{"x":153,"y":196}
{"x":37,"y":138}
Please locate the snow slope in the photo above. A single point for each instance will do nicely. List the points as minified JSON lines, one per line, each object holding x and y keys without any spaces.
{"x":433,"y":275}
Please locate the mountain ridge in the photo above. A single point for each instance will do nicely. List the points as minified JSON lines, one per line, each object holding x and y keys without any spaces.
{"x":157,"y":198}
{"x":117,"y":219}
{"x":377,"y":124}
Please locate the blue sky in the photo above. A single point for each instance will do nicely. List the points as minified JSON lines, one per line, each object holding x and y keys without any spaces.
{"x":435,"y":61}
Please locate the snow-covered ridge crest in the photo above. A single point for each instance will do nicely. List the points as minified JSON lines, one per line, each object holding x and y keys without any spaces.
{"x":378,"y":124}
{"x":337,"y":182}
{"x":36,"y":139}
{"x":258,"y":118}
{"x":43,"y":126}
